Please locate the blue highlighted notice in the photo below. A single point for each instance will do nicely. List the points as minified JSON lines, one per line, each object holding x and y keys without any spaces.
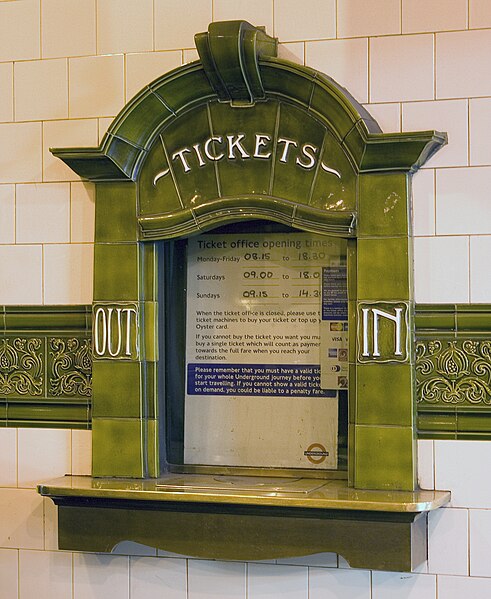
{"x":282,"y":380}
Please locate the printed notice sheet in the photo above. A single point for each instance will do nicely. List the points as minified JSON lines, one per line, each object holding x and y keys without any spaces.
{"x":266,"y":349}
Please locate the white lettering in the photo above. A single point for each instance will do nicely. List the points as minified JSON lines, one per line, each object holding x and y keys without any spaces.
{"x":201,"y":160}
{"x":110,"y":332}
{"x":100,"y":349}
{"x":286,"y":149}
{"x":396,"y":319}
{"x":377,"y":315}
{"x":236,"y":144}
{"x":310,"y":155}
{"x":214,"y":138}
{"x":261,"y":141}
{"x":180,"y":154}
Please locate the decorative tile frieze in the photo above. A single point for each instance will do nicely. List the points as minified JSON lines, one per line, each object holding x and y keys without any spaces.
{"x":70,"y":367}
{"x":21,"y":366}
{"x":45,"y":366}
{"x":454,"y":372}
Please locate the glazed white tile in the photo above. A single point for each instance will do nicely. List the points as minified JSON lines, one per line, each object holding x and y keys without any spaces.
{"x":7,"y":212}
{"x":9,"y":574}
{"x":82,"y":220}
{"x":480,"y":542}
{"x":43,"y":213}
{"x":420,"y":15}
{"x":142,"y":69}
{"x":441,"y":269}
{"x":333,"y":584}
{"x":480,"y":269}
{"x":267,"y":581}
{"x":49,"y":79}
{"x":66,"y":134}
{"x":294,"y":51}
{"x":462,"y":65}
{"x":124,"y":26}
{"x":426,"y":465}
{"x":43,"y":454}
{"x":177,"y":21}
{"x":257,"y":12}
{"x":20,"y":152}
{"x":23,"y":528}
{"x":479,"y":14}
{"x":50,"y":525}
{"x":450,"y":116}
{"x":358,"y":18}
{"x":6,"y":91}
{"x":96,"y":86}
{"x":388,"y":116}
{"x":389,"y":585}
{"x":100,"y":576}
{"x":346,"y":61}
{"x":8,"y":457}
{"x":103,"y":127}
{"x":156,"y":578}
{"x":21,"y":274}
{"x":325,"y":560}
{"x":461,"y":206}
{"x":448,"y":541}
{"x":210,"y":580}
{"x":81,"y":452}
{"x":19,"y":30}
{"x":69,"y":28}
{"x":45,"y":575}
{"x":391,"y":56}
{"x":307,"y":20}
{"x":68,"y":273}
{"x":189,"y":55}
{"x":423,"y":202}
{"x":457,"y":587}
{"x":459,"y":467}
{"x":480,"y":124}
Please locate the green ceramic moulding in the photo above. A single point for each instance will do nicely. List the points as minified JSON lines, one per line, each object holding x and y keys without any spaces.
{"x":115,"y":213}
{"x":385,"y":394}
{"x":237,"y":177}
{"x":384,"y":457}
{"x":117,"y":271}
{"x":117,"y":389}
{"x":384,"y":209}
{"x":383,"y":269}
{"x":117,"y":447}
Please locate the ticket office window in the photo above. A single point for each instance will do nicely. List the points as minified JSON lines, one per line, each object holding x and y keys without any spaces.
{"x":254,"y":351}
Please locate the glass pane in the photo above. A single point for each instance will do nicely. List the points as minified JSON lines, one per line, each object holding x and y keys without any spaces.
{"x":265,"y":350}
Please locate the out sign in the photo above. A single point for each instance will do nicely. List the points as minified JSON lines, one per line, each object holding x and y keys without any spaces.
{"x":382,"y":332}
{"x":116,"y":331}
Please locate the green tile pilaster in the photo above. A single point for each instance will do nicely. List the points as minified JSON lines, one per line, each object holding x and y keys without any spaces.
{"x":385,"y":458}
{"x":384,"y":439}
{"x":116,"y":272}
{"x":383,"y":209}
{"x":117,"y":388}
{"x":118,"y":447}
{"x":385,"y":394}
{"x":115,"y":214}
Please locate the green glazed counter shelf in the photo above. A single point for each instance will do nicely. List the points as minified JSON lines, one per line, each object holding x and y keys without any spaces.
{"x":235,"y":137}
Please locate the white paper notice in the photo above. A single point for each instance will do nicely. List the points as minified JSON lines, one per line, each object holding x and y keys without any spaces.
{"x":255,"y":309}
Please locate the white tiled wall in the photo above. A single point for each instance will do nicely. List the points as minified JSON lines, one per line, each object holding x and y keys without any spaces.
{"x":66,"y":69}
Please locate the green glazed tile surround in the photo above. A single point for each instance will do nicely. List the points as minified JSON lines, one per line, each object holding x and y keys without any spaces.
{"x":243,"y":135}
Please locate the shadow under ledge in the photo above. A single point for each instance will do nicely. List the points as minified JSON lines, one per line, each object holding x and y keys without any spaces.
{"x":245,"y":518}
